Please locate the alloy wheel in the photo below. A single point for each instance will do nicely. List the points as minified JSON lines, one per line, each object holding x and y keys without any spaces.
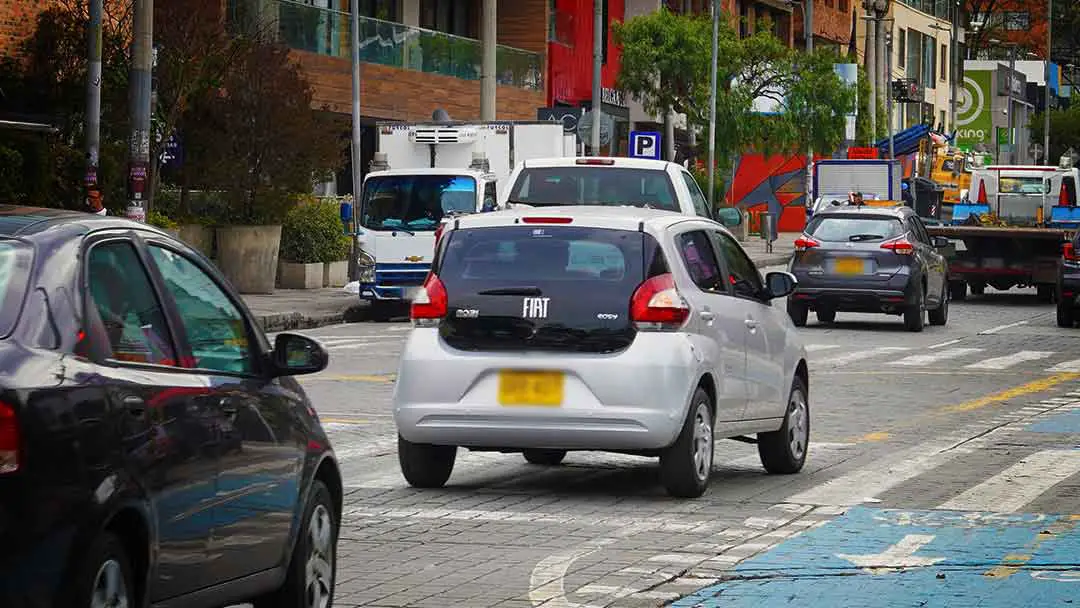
{"x":798,"y":424}
{"x":110,"y":588}
{"x":319,"y":573}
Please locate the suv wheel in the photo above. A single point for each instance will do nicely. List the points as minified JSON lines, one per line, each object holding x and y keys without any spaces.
{"x":309,"y":582}
{"x":826,"y":315}
{"x":686,"y":465}
{"x":798,"y":313}
{"x":915,"y":314}
{"x":1066,"y":316}
{"x":940,"y":315}
{"x":784,"y":451}
{"x":425,"y":465}
{"x":104,"y":578}
{"x":544,"y":457}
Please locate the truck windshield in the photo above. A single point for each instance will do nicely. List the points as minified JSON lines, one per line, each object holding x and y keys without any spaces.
{"x":1021,"y":185}
{"x":415,"y":202}
{"x":595,"y":185}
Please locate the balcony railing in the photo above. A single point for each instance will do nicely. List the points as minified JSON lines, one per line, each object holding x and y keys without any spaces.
{"x":327,"y":32}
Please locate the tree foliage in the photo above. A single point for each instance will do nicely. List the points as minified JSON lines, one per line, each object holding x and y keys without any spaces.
{"x":1064,"y":131}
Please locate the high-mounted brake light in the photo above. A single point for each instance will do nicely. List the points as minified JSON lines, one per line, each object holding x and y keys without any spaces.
{"x":9,"y":440}
{"x":657,"y":305}
{"x":430,"y":304}
{"x":900,"y":246}
{"x":1068,"y":251}
{"x":547,"y":220}
{"x":804,"y":242}
{"x":595,"y":161}
{"x":982,"y":193}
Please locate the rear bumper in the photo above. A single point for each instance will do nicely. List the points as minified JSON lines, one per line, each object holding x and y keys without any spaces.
{"x":632,"y":400}
{"x":34,"y":556}
{"x":853,"y":300}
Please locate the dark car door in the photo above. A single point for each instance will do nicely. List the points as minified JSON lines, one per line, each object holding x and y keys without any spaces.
{"x":261,"y":457}
{"x":932,"y":262}
{"x":167,"y":441}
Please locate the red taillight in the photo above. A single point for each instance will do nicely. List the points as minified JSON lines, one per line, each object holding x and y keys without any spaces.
{"x":901,"y":246}
{"x":982,"y":193}
{"x":429,"y":305}
{"x":1068,"y":250}
{"x":547,"y":220}
{"x":1063,"y":195}
{"x":804,"y":242}
{"x":595,"y":161}
{"x":656,"y":304}
{"x":9,"y":440}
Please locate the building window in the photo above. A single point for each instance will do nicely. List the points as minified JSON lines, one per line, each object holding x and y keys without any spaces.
{"x":901,"y":47}
{"x":744,"y":19}
{"x":929,"y":68}
{"x":941,"y":120}
{"x":447,"y":16}
{"x":387,"y":10}
{"x":944,"y":62}
{"x":914,"y":57}
{"x":1017,"y":21}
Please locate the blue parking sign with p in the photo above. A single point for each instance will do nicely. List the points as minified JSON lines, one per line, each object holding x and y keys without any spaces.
{"x":645,"y":144}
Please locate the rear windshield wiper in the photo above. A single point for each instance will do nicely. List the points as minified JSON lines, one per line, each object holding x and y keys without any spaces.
{"x":864,"y":237}
{"x":512,"y":291}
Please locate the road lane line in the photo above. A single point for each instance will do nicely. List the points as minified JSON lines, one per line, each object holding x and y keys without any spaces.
{"x":1035,"y":386}
{"x":813,"y":348}
{"x":945,"y":343}
{"x":859,"y":355}
{"x":1010,"y":490}
{"x":995,"y":330}
{"x":934,"y":357}
{"x":1067,"y":366}
{"x":1007,"y":361}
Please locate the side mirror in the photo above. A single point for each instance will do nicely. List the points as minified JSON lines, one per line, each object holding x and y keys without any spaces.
{"x":296,"y":355}
{"x":730,"y":217}
{"x":780,"y":284}
{"x":939,"y":242}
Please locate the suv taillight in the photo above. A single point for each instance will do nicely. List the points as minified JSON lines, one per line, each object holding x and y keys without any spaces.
{"x":429,"y":305}
{"x":9,"y":440}
{"x":657,"y":305}
{"x":901,"y":246}
{"x":1068,"y":251}
{"x":805,"y":242}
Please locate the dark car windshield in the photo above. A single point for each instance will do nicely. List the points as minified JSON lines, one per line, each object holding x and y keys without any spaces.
{"x":15,"y":260}
{"x":415,"y":202}
{"x":595,"y":185}
{"x":847,"y":228}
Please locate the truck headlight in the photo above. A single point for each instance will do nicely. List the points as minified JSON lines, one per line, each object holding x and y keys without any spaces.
{"x":365,"y":268}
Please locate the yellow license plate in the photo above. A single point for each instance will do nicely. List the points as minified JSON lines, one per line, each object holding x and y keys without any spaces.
{"x":543,"y":389}
{"x":849,"y":266}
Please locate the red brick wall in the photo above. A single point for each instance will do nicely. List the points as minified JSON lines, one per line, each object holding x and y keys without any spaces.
{"x":392,"y":93}
{"x":17,"y":21}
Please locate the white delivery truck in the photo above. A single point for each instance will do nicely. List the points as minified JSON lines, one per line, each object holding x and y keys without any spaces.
{"x":424,"y":173}
{"x":834,"y":179}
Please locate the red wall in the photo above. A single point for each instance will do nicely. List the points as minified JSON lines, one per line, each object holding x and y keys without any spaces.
{"x":570,"y":61}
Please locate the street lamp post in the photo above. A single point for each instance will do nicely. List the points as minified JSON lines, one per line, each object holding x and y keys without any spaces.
{"x":1009,"y":104}
{"x":712,"y":102}
{"x":876,"y":10}
{"x":1049,"y":55}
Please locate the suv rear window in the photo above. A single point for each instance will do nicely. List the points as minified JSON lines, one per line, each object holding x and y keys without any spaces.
{"x":15,"y":260}
{"x":595,"y":185}
{"x":847,"y":228}
{"x":544,"y":288}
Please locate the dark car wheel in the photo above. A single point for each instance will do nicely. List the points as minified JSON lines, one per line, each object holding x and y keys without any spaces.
{"x":1066,"y":314}
{"x":104,"y":579}
{"x":784,"y":451}
{"x":958,"y":290}
{"x":940,"y":315}
{"x":544,"y":457}
{"x":826,"y":315}
{"x":425,"y":465}
{"x":915,"y":313}
{"x":686,"y":465}
{"x":798,"y":313}
{"x":313,"y":566}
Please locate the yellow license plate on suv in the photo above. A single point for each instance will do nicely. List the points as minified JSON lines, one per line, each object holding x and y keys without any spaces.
{"x":543,"y":389}
{"x":849,"y":266}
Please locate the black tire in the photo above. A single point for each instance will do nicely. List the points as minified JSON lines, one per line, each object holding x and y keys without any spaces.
{"x":798,"y":313}
{"x":544,"y":457}
{"x":958,"y":290}
{"x":915,"y":314}
{"x":1066,"y":315}
{"x":682,"y":471}
{"x":978,"y":289}
{"x":105,"y":552}
{"x":780,"y":453}
{"x":425,"y":465}
{"x":1045,"y":292}
{"x":825,"y":315}
{"x":319,"y":526}
{"x":940,"y":315}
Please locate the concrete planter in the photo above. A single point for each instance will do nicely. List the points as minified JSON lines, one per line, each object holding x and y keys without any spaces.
{"x":335,"y":274}
{"x":201,"y":238}
{"x":248,"y":256}
{"x":300,"y":276}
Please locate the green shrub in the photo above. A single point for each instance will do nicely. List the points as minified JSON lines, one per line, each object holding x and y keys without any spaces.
{"x":160,"y":220}
{"x":312,"y":233}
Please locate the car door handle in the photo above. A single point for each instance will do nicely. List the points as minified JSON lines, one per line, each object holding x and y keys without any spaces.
{"x":135,"y":405}
{"x":707,"y":315}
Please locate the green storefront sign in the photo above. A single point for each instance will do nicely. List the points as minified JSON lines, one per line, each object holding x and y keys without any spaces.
{"x":974,"y":119}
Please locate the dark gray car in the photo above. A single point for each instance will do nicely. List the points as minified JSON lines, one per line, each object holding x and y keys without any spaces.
{"x":869,"y":259}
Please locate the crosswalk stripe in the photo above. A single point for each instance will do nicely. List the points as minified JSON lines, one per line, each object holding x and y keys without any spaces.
{"x":1016,"y":486}
{"x":934,"y":357}
{"x":1067,"y":366}
{"x":1007,"y":361}
{"x":813,"y":348}
{"x":859,"y":355}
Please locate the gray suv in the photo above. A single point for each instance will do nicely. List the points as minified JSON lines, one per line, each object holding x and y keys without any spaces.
{"x":856,"y":258}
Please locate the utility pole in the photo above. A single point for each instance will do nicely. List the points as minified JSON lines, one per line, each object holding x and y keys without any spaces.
{"x":93,"y":104}
{"x":954,"y":62}
{"x":808,"y":33}
{"x":879,"y":59}
{"x":887,"y":91}
{"x":357,"y":130}
{"x":487,"y":66}
{"x":142,"y":59}
{"x":871,"y":71}
{"x":712,"y":102}
{"x":1049,"y":55}
{"x":1009,"y":103}
{"x":598,"y":68}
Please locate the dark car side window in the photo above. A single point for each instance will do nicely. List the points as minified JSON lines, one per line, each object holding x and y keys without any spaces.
{"x":130,"y":313}
{"x":917,"y":230}
{"x":697,"y":254}
{"x":744,"y":276}
{"x":216,"y":330}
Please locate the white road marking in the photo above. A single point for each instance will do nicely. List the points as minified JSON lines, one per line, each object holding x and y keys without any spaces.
{"x":1067,"y":366}
{"x":859,"y":355}
{"x":1007,"y":361}
{"x":1016,"y":486}
{"x":945,"y":343}
{"x":995,"y":330}
{"x":813,"y":348}
{"x":934,"y":357}
{"x":681,"y":558}
{"x":897,"y":557}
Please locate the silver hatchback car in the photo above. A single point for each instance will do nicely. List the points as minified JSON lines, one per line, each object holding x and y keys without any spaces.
{"x":590,"y":328}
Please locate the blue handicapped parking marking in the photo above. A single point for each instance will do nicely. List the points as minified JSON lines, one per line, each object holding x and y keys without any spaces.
{"x":1069,"y":422}
{"x":936,"y":559}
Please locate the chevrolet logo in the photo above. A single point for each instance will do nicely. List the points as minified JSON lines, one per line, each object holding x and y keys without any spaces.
{"x":414,"y":258}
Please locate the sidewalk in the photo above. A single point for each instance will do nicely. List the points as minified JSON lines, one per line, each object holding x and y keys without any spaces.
{"x":288,"y":309}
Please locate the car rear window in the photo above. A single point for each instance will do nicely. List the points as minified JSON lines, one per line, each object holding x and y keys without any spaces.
{"x":841,"y":228}
{"x":595,"y":185}
{"x":15,"y":260}
{"x":543,"y":287}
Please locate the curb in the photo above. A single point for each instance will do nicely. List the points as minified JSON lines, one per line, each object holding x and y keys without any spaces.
{"x":771,"y":259}
{"x":288,"y":321}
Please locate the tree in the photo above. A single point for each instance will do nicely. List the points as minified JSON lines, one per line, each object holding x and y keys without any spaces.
{"x":1064,"y":131}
